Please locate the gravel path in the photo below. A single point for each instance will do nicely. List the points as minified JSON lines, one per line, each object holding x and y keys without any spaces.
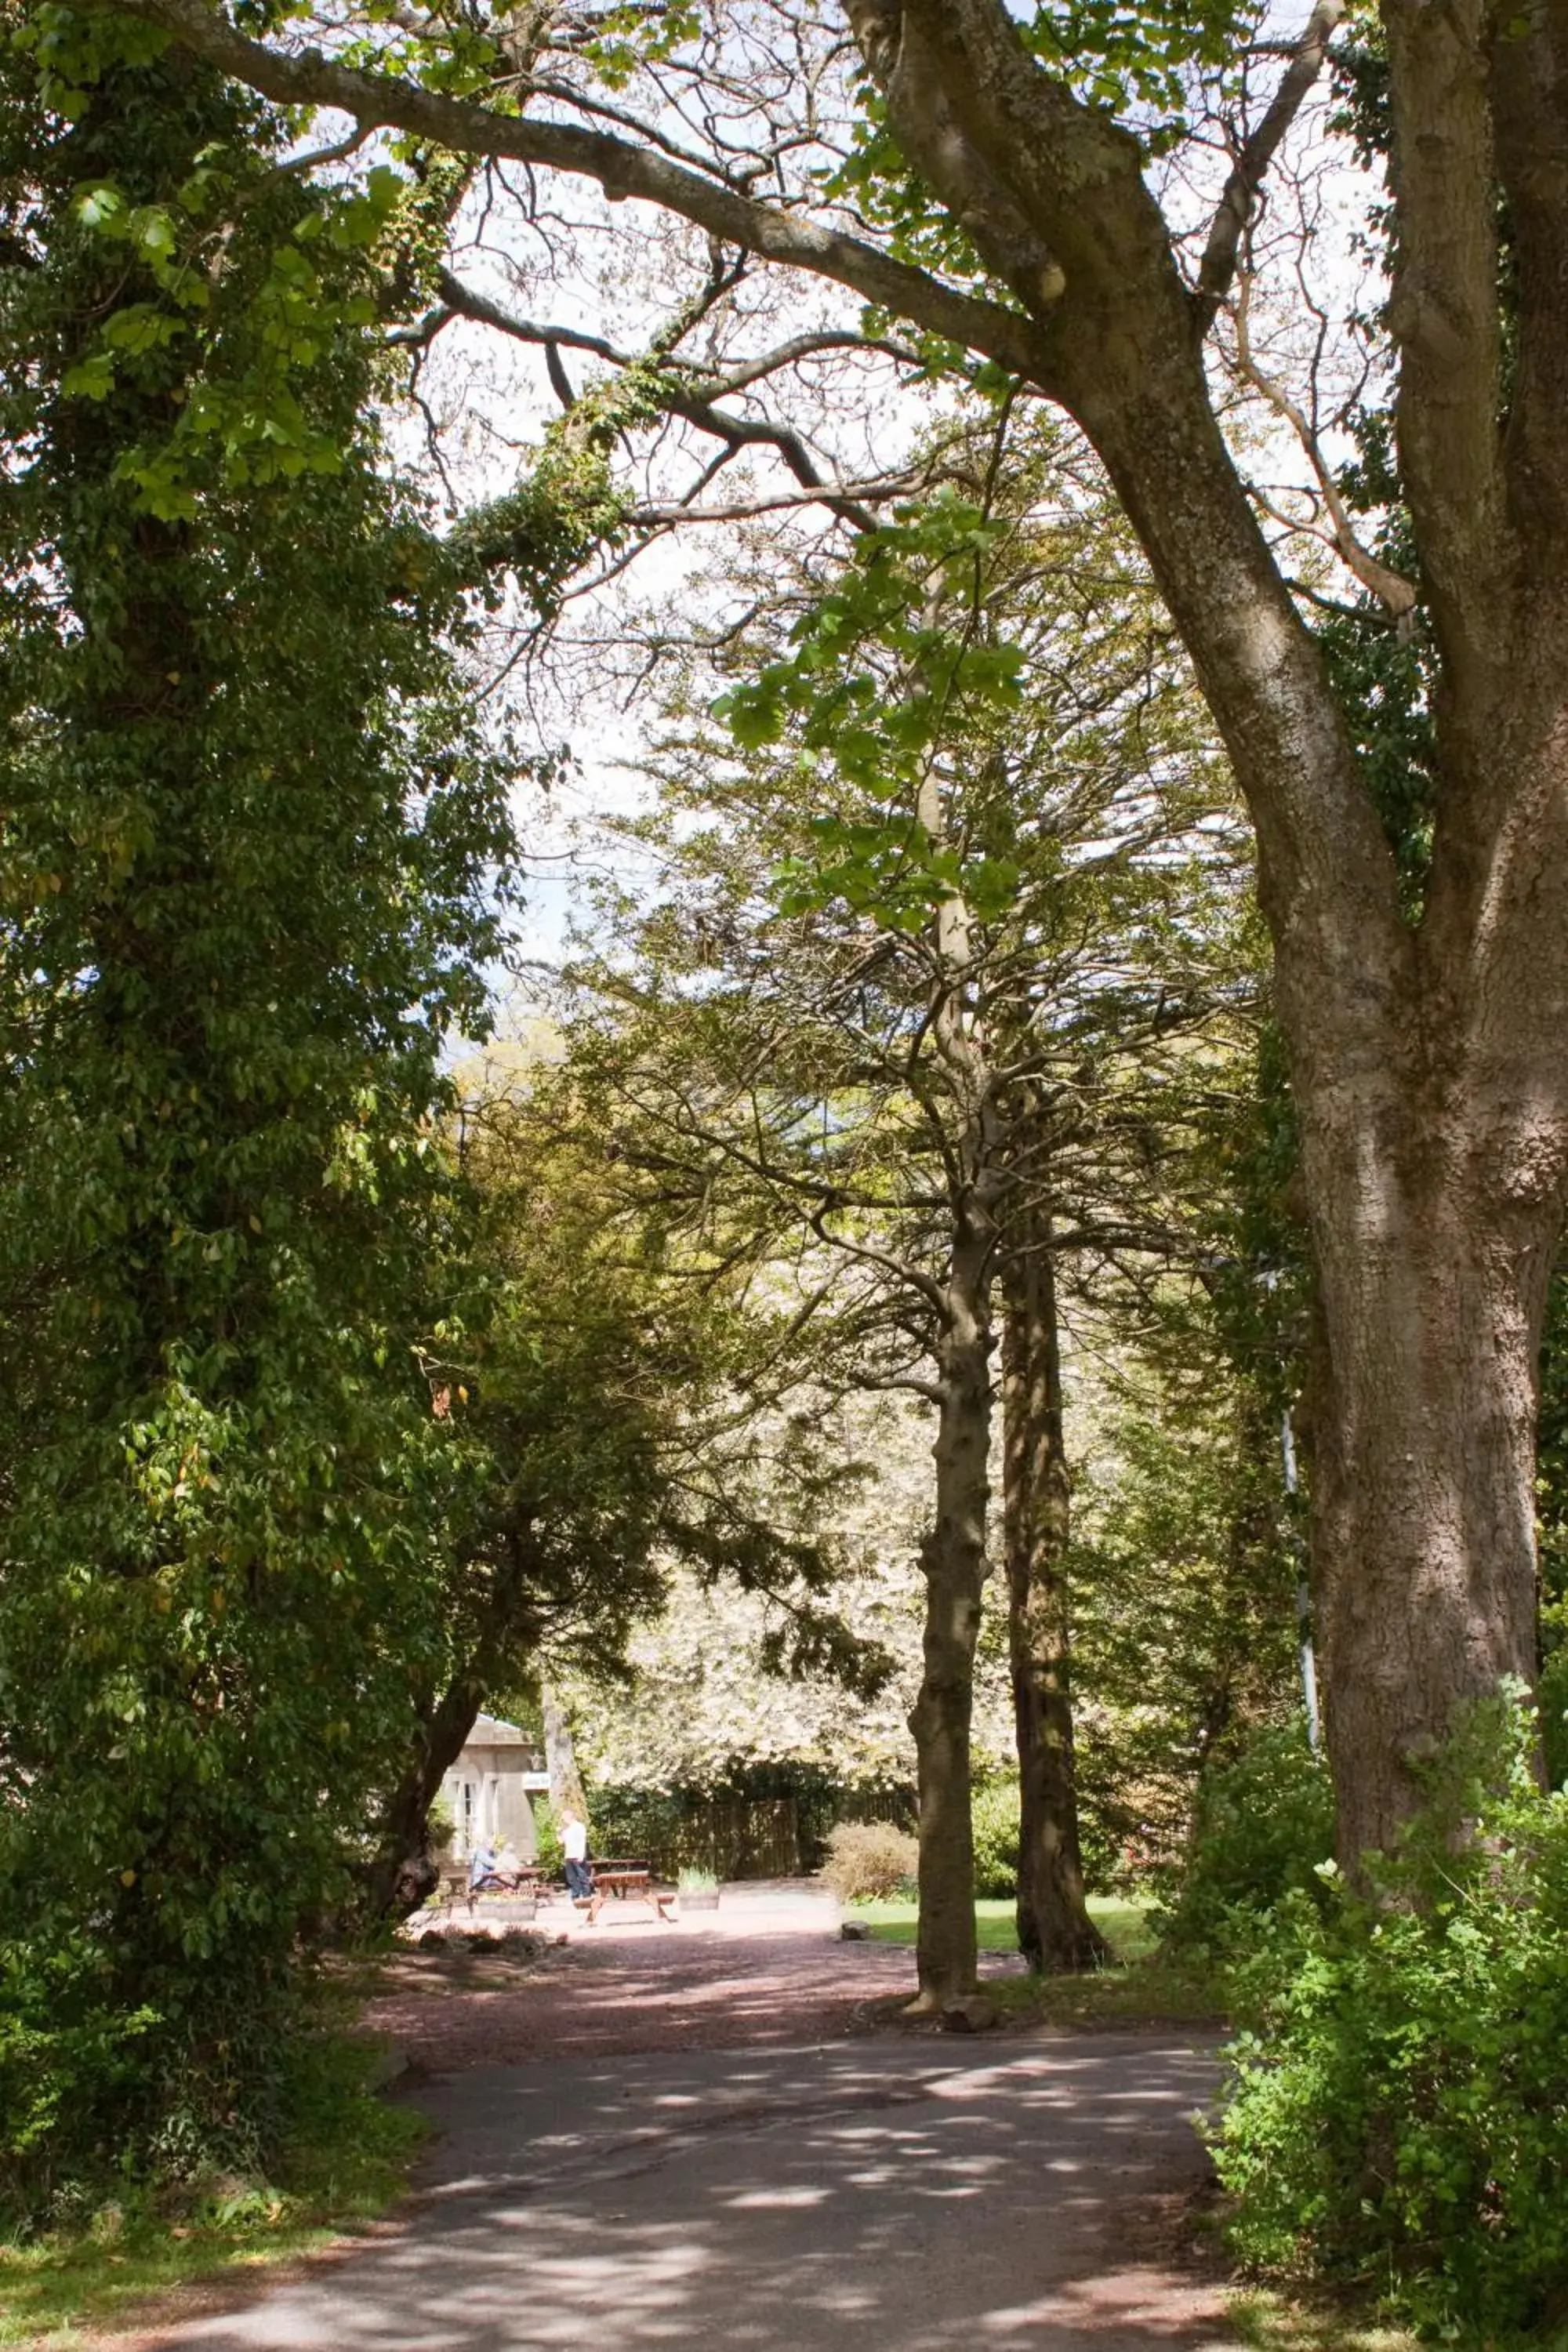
{"x":767,"y":1968}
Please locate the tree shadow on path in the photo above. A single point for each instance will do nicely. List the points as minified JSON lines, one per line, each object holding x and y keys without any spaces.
{"x":920,"y":2196}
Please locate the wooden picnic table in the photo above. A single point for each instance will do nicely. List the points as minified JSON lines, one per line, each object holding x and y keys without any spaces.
{"x":529,"y":1878}
{"x":623,"y":1881}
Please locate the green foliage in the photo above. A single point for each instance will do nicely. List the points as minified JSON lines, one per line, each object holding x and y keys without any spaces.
{"x":343,"y":2154}
{"x":552,"y":1853}
{"x":1553,"y":1695}
{"x":830,"y":698}
{"x":1186,"y":1632}
{"x":1398,"y":2109}
{"x":247,"y":865}
{"x":1551,"y":1521}
{"x":869,"y":1859}
{"x":1263,"y":1829}
{"x":993,"y":1812}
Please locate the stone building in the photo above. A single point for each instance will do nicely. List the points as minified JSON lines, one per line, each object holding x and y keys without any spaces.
{"x":493,"y":1786}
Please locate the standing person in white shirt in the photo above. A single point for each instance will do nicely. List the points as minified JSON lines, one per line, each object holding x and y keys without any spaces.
{"x":575,"y":1846}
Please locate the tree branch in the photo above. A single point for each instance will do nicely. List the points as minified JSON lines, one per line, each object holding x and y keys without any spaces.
{"x":622,"y":169}
{"x":1390,"y":587}
{"x":737,"y":432}
{"x":1234,"y":214}
{"x":1444,"y":315}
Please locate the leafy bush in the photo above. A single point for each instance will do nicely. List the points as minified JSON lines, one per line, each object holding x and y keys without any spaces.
{"x":870,"y":1860}
{"x":65,"y":2052}
{"x":994,"y":1810}
{"x":1264,"y":1825}
{"x":1553,"y":1692}
{"x":1398,"y":2105}
{"x":647,"y":1823}
{"x":342,"y":2154}
{"x":550,"y":1853}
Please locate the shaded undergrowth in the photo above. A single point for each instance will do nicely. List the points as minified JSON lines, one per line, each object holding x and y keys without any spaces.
{"x":345,"y":2159}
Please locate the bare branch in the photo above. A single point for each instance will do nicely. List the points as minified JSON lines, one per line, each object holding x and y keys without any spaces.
{"x":890,"y":485}
{"x":1390,"y":587}
{"x":1234,"y":214}
{"x":736,"y":432}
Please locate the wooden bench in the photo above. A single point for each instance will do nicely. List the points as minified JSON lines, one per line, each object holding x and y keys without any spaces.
{"x":530,"y":1883}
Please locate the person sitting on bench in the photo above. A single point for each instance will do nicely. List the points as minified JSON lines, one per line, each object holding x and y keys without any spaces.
{"x":481,"y":1867}
{"x":574,"y":1847}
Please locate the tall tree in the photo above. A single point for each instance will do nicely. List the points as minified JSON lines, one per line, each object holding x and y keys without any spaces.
{"x":1007,"y":174}
{"x":590,"y":1391}
{"x":1055,"y":1930}
{"x":953,"y":932}
{"x":248,"y":835}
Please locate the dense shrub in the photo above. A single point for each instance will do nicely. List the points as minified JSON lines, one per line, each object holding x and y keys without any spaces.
{"x":866,"y":1860}
{"x":93,"y":2085}
{"x":647,"y":1823}
{"x":1263,"y":1826}
{"x":1398,"y":2106}
{"x":335,"y":2147}
{"x":548,"y":1852}
{"x":1553,"y":1693}
{"x":994,"y":1810}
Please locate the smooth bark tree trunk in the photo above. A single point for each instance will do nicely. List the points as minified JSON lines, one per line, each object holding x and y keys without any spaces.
{"x":566,"y":1791}
{"x":952,"y":1557}
{"x":1055,"y":1930}
{"x":1423,"y":1488}
{"x":1434,"y":1148}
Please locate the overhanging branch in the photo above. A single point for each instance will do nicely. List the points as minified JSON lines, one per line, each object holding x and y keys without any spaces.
{"x":621,"y":167}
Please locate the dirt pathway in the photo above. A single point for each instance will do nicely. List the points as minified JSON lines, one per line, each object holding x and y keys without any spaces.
{"x":766,"y":1969}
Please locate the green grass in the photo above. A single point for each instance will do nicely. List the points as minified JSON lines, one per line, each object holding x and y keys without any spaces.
{"x":345,"y":2162}
{"x":1124,"y":1924}
{"x":1269,"y":2323}
{"x":1146,"y":1987}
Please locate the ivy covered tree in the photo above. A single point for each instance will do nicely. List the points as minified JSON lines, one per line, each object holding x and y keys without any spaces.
{"x":247,"y":864}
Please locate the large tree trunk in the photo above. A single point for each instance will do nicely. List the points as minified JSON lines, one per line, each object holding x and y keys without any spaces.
{"x":1428,"y":1062}
{"x":1055,"y":1930}
{"x":1424,"y":1476}
{"x":402,"y":1873}
{"x":954,"y":1554}
{"x":1435,"y":1136}
{"x":566,"y":1791}
{"x":952,"y":1557}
